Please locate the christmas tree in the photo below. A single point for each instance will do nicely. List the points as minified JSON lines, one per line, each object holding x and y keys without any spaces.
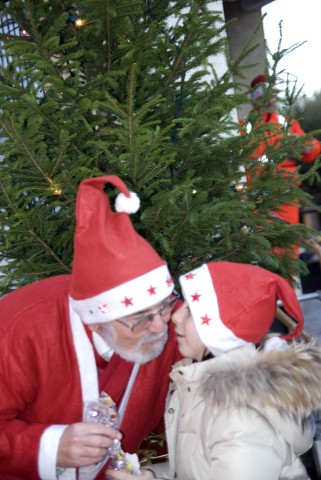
{"x":127,"y":87}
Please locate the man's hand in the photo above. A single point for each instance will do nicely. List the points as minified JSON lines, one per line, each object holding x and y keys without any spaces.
{"x":85,"y":444}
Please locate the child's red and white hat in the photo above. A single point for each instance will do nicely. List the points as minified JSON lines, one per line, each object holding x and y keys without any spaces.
{"x":233,"y":304}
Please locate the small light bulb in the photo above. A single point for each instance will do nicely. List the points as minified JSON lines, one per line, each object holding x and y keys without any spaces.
{"x":79,"y":22}
{"x":245,"y":229}
{"x":239,"y":187}
{"x":55,"y":189}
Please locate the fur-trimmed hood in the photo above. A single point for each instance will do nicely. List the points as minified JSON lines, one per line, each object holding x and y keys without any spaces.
{"x":288,"y":381}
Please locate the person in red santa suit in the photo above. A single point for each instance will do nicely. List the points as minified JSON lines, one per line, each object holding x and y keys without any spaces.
{"x":64,"y":340}
{"x":266,"y":113}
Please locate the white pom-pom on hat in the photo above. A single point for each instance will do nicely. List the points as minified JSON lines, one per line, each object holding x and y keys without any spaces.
{"x":127,"y":204}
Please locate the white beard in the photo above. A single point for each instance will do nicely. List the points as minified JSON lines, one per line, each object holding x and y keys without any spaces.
{"x":136,"y":354}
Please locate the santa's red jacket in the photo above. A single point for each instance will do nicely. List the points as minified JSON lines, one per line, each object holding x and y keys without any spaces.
{"x":48,"y":365}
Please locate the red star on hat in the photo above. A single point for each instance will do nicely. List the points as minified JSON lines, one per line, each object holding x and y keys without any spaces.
{"x":196,"y":297}
{"x":127,"y":301}
{"x":190,"y":276}
{"x":152,"y":290}
{"x":206,"y":320}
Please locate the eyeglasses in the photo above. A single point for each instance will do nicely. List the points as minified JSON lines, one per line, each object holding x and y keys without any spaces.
{"x":142,"y":323}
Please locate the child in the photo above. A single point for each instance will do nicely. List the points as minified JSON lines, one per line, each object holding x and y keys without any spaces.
{"x":238,"y":410}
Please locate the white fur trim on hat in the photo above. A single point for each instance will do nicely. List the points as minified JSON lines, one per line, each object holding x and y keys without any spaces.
{"x":126,"y":299}
{"x":127,"y":204}
{"x":199,"y":293}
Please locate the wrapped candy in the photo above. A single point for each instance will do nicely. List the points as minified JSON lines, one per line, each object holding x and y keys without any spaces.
{"x":105,"y":411}
{"x":123,"y":461}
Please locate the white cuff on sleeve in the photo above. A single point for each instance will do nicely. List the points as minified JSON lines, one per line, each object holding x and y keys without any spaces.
{"x":47,"y":459}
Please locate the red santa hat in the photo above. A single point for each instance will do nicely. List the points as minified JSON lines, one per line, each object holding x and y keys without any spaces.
{"x":259,"y":79}
{"x":259,"y":86}
{"x":233,"y":304}
{"x":115,"y":271}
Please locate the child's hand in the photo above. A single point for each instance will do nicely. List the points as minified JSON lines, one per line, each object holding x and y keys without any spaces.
{"x":146,"y":474}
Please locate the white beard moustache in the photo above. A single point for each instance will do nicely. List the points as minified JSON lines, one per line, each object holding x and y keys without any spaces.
{"x":136,"y":355}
